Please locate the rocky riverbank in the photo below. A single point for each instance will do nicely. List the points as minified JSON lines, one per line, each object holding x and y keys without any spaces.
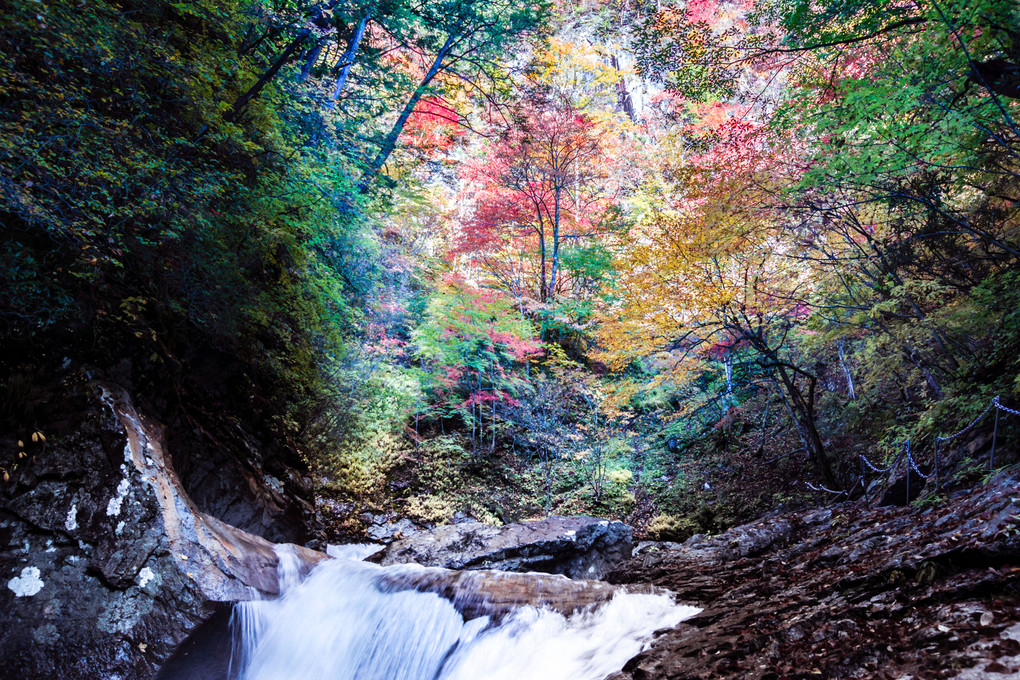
{"x":845,"y":592}
{"x":110,"y":564}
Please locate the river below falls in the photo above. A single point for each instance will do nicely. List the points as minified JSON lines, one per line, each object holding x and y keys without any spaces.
{"x":344,"y":621}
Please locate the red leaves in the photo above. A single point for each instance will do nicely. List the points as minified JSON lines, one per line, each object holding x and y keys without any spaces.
{"x":434,"y":126}
{"x":544,"y":179}
{"x":702,"y":11}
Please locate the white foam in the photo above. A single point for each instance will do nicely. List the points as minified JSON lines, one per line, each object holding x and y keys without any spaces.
{"x":288,"y":567}
{"x":343,"y":623}
{"x":353,"y":551}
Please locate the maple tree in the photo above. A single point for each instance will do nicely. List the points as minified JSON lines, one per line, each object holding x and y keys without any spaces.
{"x":470,"y":342}
{"x":538,"y":187}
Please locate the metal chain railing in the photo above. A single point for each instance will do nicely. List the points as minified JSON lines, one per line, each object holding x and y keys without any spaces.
{"x":838,"y":493}
{"x":999,"y":406}
{"x":974,"y":422}
{"x":822,"y":488}
{"x":913,"y":464}
{"x":882,"y":471}
{"x":936,"y":472}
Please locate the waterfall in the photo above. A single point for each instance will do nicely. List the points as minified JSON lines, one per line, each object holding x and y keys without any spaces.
{"x":349,"y":620}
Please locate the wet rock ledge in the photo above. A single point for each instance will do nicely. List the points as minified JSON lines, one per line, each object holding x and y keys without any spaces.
{"x":577,"y":547}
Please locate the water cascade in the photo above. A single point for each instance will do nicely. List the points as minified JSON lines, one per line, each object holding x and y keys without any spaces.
{"x":349,"y":620}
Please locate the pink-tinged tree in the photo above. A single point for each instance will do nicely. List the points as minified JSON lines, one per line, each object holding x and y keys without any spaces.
{"x":471,"y":341}
{"x":543,"y":183}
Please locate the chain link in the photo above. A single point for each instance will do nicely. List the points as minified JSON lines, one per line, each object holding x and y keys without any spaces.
{"x":910,"y":459}
{"x":873,"y":468}
{"x":881,"y":470}
{"x":811,"y":486}
{"x":822,"y":488}
{"x":972,"y":424}
{"x":1004,"y":408}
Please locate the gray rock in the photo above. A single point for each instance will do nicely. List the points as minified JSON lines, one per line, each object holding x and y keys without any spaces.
{"x":496,"y":593}
{"x":578,"y":547}
{"x":388,"y":527}
{"x":106,"y":564}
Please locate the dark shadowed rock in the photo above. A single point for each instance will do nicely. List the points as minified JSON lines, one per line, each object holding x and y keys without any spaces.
{"x":846,"y":592}
{"x":578,"y":547}
{"x":904,"y":490}
{"x":106,"y":562}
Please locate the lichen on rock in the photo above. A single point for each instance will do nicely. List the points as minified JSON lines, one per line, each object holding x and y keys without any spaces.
{"x":27,"y":584}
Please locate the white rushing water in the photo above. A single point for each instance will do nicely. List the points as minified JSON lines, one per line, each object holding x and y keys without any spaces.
{"x":340,"y":623}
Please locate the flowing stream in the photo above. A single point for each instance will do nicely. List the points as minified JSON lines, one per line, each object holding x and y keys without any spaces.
{"x":346,"y":621}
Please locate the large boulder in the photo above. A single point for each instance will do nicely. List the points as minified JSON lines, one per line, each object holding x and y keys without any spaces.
{"x":106,"y":563}
{"x":497,"y":593}
{"x":577,"y":547}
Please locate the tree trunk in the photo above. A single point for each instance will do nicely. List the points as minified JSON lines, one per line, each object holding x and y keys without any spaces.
{"x":256,"y":89}
{"x":390,"y":142}
{"x":348,"y":60}
{"x":556,"y":241}
{"x":623,"y":98}
{"x":313,"y":56}
{"x":802,"y":411}
{"x":492,"y":379}
{"x":846,"y":372}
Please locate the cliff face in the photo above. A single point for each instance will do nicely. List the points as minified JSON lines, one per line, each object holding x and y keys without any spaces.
{"x":106,"y":562}
{"x":845,"y":592}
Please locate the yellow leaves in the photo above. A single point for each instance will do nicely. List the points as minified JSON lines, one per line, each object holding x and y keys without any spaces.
{"x":693,"y":276}
{"x":578,"y":69}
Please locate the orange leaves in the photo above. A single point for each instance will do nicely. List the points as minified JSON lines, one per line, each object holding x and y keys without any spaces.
{"x":714,"y":269}
{"x":714,"y":116}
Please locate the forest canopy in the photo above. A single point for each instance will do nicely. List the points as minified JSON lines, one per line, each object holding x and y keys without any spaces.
{"x":679,"y":262}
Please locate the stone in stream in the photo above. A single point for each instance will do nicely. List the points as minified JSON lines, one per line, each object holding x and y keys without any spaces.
{"x":577,"y":547}
{"x":496,"y":593}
